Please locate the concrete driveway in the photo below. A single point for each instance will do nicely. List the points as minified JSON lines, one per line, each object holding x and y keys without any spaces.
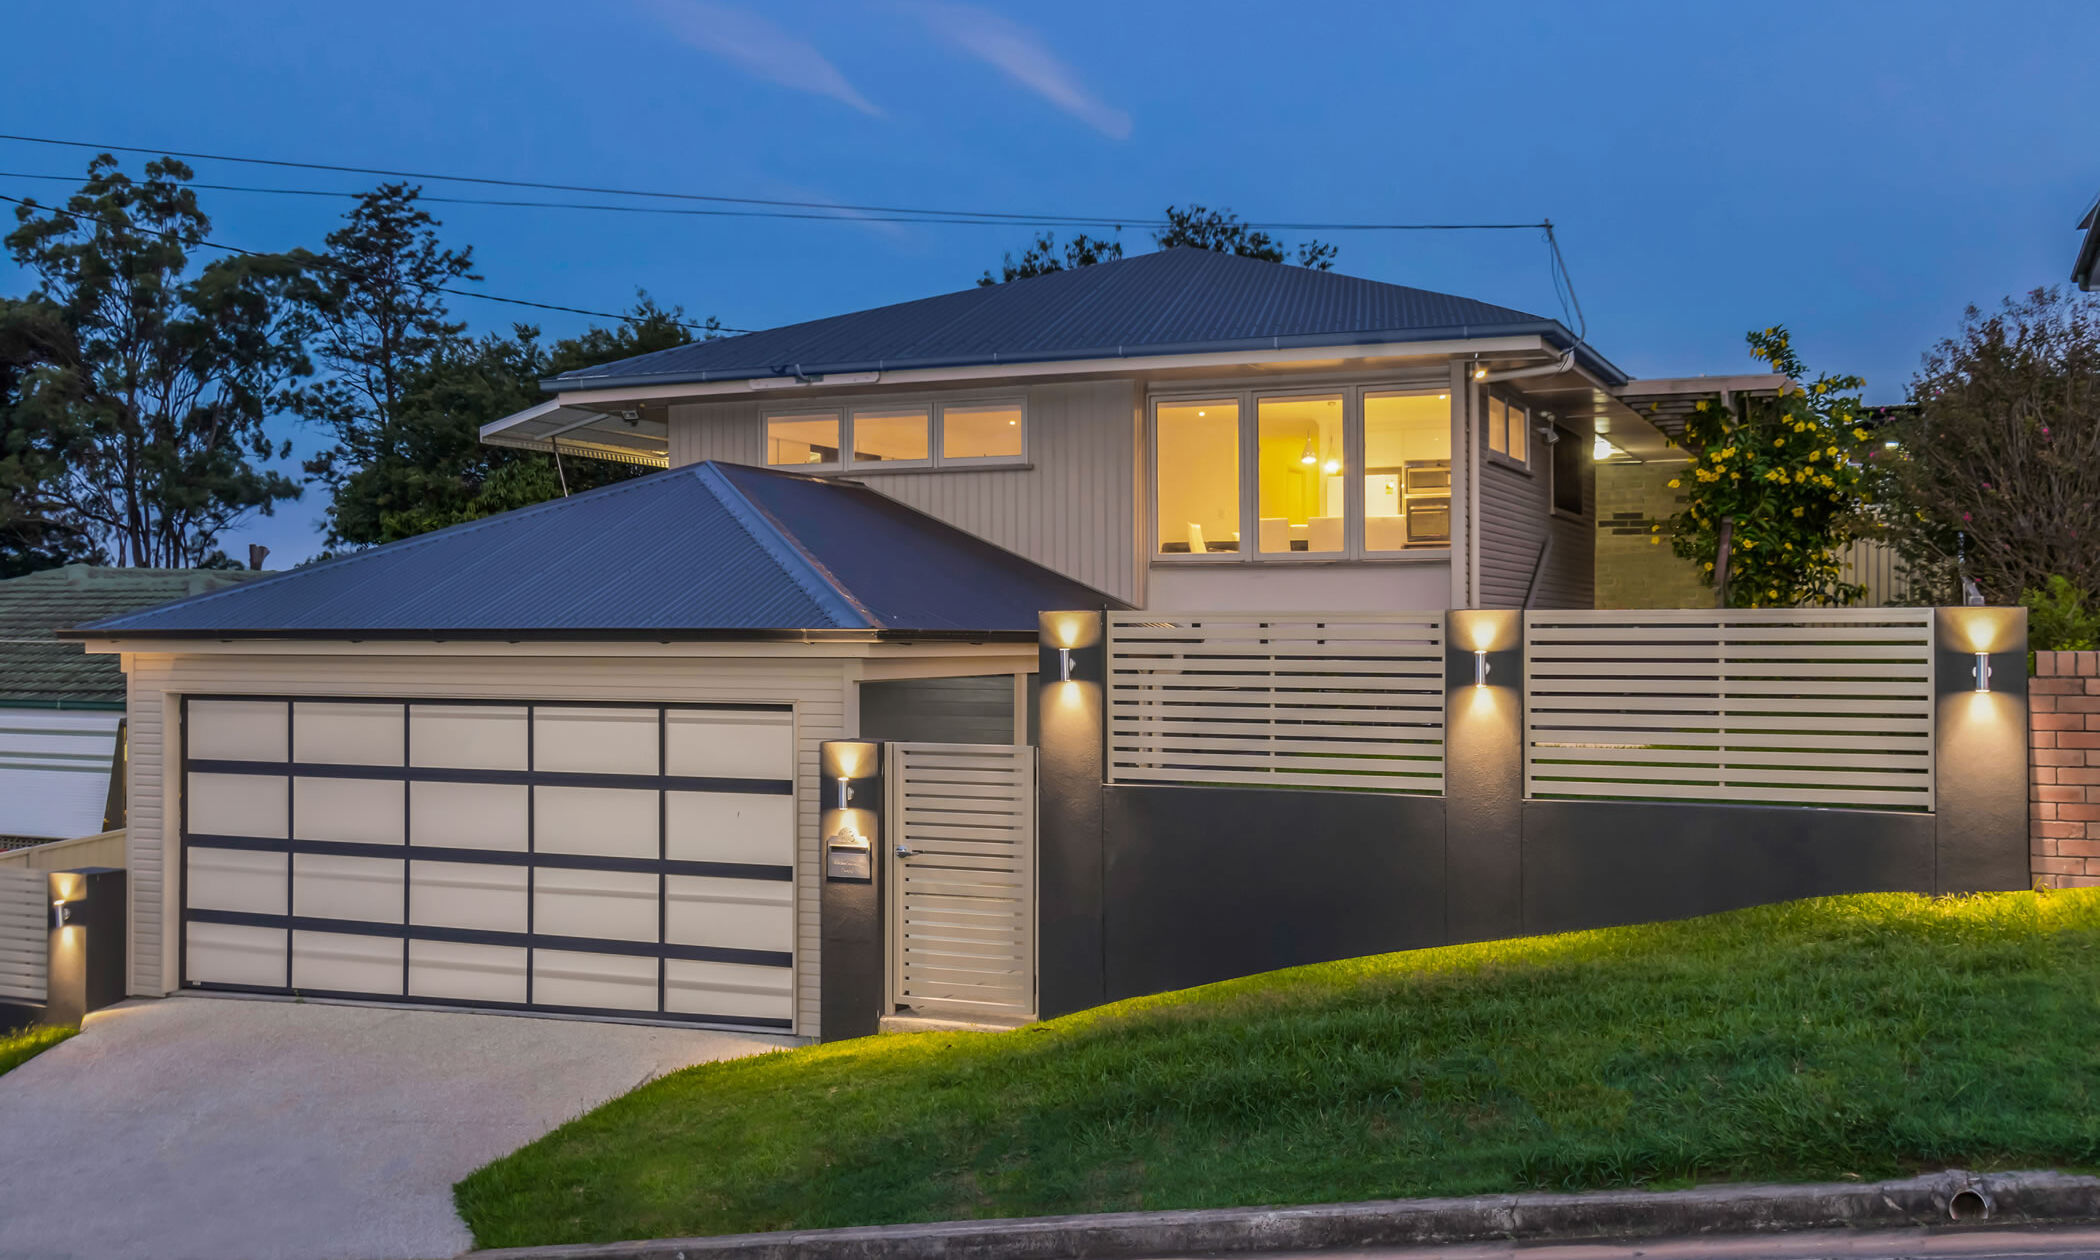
{"x":220,"y":1129}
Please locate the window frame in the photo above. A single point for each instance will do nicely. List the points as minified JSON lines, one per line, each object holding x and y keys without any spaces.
{"x":1248,"y":400}
{"x":1503,"y":457}
{"x":842,"y":411}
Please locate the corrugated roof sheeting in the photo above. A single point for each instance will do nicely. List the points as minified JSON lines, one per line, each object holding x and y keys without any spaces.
{"x":707,"y":548}
{"x":1175,"y":300}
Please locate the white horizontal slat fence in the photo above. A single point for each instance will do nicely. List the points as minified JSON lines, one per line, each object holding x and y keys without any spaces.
{"x":1823,"y":707}
{"x":25,"y":941}
{"x":1352,"y":701}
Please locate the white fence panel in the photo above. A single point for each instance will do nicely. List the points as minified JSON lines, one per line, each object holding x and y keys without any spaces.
{"x":1827,"y":707}
{"x":962,"y":899}
{"x":1344,"y":700}
{"x":25,"y":942}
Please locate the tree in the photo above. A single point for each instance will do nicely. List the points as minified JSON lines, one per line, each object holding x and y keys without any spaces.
{"x":1999,"y":475}
{"x":134,"y":425}
{"x":1198,"y":227}
{"x":37,"y":529}
{"x":1225,"y":232}
{"x":430,"y":469}
{"x":1043,"y":257}
{"x":1775,"y":487}
{"x":377,"y":305}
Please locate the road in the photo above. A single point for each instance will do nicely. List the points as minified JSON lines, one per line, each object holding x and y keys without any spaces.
{"x":1968,"y":1243}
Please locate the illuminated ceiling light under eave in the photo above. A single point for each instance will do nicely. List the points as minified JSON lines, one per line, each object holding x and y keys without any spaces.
{"x":1603,"y":449}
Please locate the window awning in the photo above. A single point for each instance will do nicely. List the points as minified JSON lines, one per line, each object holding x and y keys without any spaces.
{"x":625,"y":437}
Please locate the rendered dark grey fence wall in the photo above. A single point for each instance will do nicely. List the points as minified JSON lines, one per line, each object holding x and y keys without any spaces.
{"x":1146,"y":889}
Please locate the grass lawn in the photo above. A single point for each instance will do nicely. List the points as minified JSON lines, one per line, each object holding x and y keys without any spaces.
{"x":19,"y":1047}
{"x":1845,"y":1037}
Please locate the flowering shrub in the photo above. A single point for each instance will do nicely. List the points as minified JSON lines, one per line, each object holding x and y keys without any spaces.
{"x":1784,"y":473}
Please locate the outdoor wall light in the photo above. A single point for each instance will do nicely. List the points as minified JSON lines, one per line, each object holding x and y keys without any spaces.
{"x":1064,"y":664}
{"x":1480,"y":667}
{"x":60,"y":916}
{"x":1983,"y":671}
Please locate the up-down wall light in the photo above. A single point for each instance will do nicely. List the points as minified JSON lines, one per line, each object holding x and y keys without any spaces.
{"x":1983,"y":671}
{"x":67,"y":887}
{"x":1480,"y":667}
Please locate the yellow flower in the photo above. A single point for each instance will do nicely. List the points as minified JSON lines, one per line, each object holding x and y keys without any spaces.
{"x":1709,"y":564}
{"x":1832,"y":451}
{"x":1673,"y":483}
{"x":1701,"y":406}
{"x":1859,"y":435}
{"x":1820,"y":387}
{"x":1655,"y":542}
{"x":1799,"y":511}
{"x":1780,"y":441}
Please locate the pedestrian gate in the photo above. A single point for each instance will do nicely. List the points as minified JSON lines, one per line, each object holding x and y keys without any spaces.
{"x":962,"y":880}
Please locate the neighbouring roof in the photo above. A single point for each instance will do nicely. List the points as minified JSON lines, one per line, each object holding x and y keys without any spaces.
{"x":2085,"y":273}
{"x":708,"y":550}
{"x":39,"y":668}
{"x":1174,"y":301}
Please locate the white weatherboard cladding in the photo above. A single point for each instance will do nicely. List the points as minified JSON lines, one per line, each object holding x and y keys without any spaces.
{"x":444,"y":736}
{"x":25,"y":935}
{"x":54,"y":771}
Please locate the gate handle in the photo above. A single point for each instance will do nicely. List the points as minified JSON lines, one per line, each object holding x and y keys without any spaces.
{"x":904,"y":850}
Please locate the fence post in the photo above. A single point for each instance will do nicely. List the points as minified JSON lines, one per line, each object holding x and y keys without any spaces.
{"x":1484,"y":774}
{"x":853,"y":831}
{"x":1071,"y":861}
{"x":1979,"y":756}
{"x":87,"y":943}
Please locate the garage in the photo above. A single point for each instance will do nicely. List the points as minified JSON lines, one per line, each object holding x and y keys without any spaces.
{"x":564,"y":761}
{"x":618,"y":860}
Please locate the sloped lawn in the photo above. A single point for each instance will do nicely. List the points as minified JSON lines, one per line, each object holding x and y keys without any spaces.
{"x":1853,"y":1036}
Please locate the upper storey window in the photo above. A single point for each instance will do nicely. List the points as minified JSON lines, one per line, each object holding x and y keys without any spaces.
{"x":899,"y":437}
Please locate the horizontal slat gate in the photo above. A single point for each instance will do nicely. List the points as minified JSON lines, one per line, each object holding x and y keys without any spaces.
{"x":1342,"y":700}
{"x":25,"y":940}
{"x":1828,"y":707}
{"x":963,"y":886}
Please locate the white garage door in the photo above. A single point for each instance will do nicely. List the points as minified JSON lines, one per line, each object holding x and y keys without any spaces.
{"x":631,"y":860}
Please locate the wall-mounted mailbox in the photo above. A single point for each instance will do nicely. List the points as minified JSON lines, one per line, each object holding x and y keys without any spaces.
{"x":848,"y":857}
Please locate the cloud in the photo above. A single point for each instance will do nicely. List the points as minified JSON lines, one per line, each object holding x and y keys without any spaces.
{"x":761,"y":47}
{"x":1023,"y":57}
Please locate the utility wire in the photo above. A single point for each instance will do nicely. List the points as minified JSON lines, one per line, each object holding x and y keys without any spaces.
{"x":830,"y":209}
{"x":319,"y":260}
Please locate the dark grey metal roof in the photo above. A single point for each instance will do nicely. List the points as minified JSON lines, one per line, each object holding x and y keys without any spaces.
{"x":1175,"y":301}
{"x":707,"y":550}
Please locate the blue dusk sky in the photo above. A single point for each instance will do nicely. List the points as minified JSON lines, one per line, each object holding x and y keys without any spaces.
{"x":1858,"y":171}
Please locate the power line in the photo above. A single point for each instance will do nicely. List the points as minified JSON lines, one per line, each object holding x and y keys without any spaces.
{"x":834,"y":209}
{"x":206,"y":242}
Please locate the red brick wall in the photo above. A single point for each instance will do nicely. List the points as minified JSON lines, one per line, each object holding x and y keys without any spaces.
{"x":2063,"y":774}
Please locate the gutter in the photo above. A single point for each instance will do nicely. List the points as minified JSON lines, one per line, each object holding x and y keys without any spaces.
{"x":553,"y":634}
{"x":1551,"y":331}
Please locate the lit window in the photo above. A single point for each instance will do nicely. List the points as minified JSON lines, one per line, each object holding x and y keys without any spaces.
{"x":886,"y":437}
{"x":1300,"y":458}
{"x":1198,"y":462}
{"x":1506,"y":429}
{"x":798,"y":440}
{"x":981,"y":432}
{"x":1407,"y":471}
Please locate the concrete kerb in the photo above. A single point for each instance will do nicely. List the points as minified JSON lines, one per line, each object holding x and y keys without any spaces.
{"x":1952,"y":1197}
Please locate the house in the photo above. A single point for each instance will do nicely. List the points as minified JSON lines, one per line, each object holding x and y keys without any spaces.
{"x":61,"y":710}
{"x":572,"y":758}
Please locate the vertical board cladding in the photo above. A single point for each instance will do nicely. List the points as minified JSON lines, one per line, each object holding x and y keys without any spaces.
{"x":815,"y":686}
{"x":1072,"y":509}
{"x":1516,"y":515}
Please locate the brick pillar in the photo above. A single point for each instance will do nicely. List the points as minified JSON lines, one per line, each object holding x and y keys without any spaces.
{"x":2063,"y":775}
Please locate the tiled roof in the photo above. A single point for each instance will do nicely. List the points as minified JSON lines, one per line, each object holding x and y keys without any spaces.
{"x":38,"y":667}
{"x":706,"y":550}
{"x":1174,"y":301}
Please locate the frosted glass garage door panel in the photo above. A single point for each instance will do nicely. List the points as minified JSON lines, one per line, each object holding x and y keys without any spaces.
{"x":341,"y":963}
{"x":609,"y":905}
{"x":237,"y":879}
{"x":367,"y":890}
{"x":238,"y":730}
{"x":351,"y":811}
{"x":466,"y":973}
{"x":731,"y":913}
{"x":723,"y":744}
{"x":731,"y":989}
{"x":229,"y":953}
{"x":601,"y":822}
{"x":467,"y":736}
{"x":618,"y":982}
{"x":469,"y":815}
{"x":730,"y":827}
{"x":473,"y":895}
{"x":345,"y":733}
{"x":594,"y":741}
{"x":237,"y":805}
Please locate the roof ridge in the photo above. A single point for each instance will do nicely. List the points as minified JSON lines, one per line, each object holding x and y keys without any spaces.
{"x":785,"y":550}
{"x":399,"y":545}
